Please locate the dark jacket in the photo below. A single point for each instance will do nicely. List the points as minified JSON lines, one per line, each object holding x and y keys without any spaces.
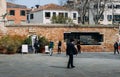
{"x":36,"y":45}
{"x":59,"y":44}
{"x":51,"y":44}
{"x":71,"y":50}
{"x":115,"y":45}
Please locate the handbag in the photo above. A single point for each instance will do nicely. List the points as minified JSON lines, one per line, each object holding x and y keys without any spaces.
{"x":75,"y":51}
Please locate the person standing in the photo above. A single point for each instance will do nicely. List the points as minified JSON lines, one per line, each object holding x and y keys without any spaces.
{"x":59,"y":47}
{"x":36,"y":45}
{"x":51,"y":45}
{"x":70,"y":51}
{"x":78,"y":46}
{"x":116,"y":47}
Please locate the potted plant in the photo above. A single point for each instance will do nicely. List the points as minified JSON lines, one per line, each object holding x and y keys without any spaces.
{"x":2,"y":50}
{"x":42,"y":42}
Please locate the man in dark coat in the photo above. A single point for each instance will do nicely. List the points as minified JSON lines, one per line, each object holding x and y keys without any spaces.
{"x":116,"y":48}
{"x":36,"y":45}
{"x":70,"y":51}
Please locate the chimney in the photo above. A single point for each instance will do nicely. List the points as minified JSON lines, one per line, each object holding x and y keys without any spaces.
{"x":32,"y":8}
{"x":37,"y":6}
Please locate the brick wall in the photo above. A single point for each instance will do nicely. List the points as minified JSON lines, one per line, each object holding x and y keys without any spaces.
{"x":55,"y":33}
{"x":17,"y":18}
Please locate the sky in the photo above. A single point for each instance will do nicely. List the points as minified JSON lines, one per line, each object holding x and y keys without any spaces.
{"x":32,"y":3}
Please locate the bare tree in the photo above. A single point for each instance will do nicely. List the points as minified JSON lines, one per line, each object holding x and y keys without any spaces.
{"x":83,"y":10}
{"x":98,"y":9}
{"x":86,"y":8}
{"x":62,"y":2}
{"x":81,"y":6}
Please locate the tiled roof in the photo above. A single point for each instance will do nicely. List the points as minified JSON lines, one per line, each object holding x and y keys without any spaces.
{"x":12,"y":5}
{"x":50,"y":7}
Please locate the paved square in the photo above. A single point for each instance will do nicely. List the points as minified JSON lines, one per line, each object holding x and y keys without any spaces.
{"x":88,"y":64}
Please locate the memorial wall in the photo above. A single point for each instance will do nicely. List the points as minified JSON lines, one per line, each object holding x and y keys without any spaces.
{"x":94,"y":38}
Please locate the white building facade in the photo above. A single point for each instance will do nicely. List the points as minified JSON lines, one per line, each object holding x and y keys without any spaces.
{"x":111,"y":14}
{"x":45,"y":15}
{"x":2,"y":9}
{"x":3,"y":14}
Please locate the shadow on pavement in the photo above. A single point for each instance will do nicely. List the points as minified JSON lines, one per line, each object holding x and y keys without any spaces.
{"x":58,"y":67}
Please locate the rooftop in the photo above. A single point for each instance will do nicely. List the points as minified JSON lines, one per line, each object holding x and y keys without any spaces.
{"x":50,"y":7}
{"x":12,"y":5}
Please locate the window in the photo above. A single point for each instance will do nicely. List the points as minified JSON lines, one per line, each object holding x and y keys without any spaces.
{"x":54,"y":13}
{"x":101,"y":17}
{"x":66,"y":15}
{"x":22,"y":12}
{"x":109,"y":6}
{"x":12,"y":12}
{"x":23,"y":21}
{"x":11,"y":22}
{"x":86,"y":38}
{"x":31,"y":16}
{"x":101,"y":6}
{"x":74,"y":16}
{"x":109,"y":17}
{"x":117,"y":6}
{"x":95,"y":6}
{"x":47,"y":14}
{"x":27,"y":17}
{"x":86,"y":18}
{"x":116,"y":18}
{"x":61,"y":14}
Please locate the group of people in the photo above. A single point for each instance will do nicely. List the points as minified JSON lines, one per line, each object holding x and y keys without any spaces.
{"x":71,"y":49}
{"x":36,"y":46}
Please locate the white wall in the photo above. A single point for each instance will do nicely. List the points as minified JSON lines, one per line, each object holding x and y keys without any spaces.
{"x":2,"y":12}
{"x":39,"y":17}
{"x":2,"y":8}
{"x":70,"y":14}
{"x":110,"y":12}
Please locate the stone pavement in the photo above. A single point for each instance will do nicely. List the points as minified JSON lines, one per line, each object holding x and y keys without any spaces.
{"x":88,"y":64}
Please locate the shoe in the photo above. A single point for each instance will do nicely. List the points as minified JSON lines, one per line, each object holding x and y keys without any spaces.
{"x":73,"y":67}
{"x":68,"y":67}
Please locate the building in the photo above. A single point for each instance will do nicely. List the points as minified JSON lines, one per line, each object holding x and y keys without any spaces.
{"x":16,"y":13}
{"x":44,"y":14}
{"x":92,"y":38}
{"x":2,"y":16}
{"x":2,"y":10}
{"x":111,"y":14}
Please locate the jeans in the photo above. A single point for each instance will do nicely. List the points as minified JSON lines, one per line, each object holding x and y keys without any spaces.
{"x":51,"y":51}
